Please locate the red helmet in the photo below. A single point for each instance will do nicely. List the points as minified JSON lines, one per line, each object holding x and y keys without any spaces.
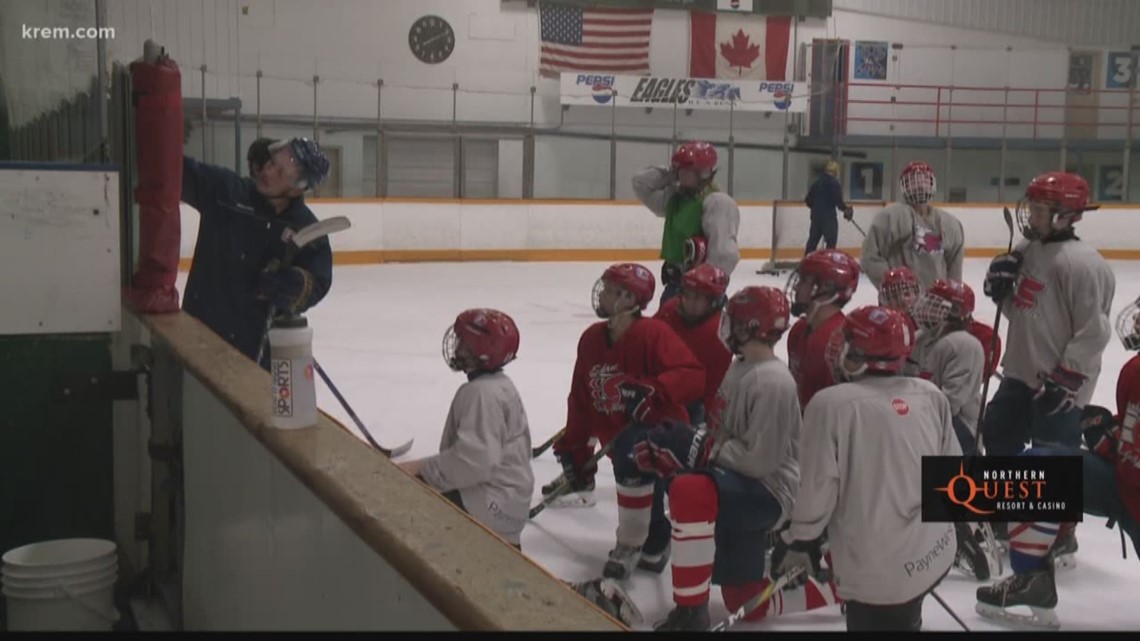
{"x":754,"y":312}
{"x":707,"y":279}
{"x":696,"y":155}
{"x":878,"y":338}
{"x":917,"y":183}
{"x":488,"y":339}
{"x":834,"y":274}
{"x":945,"y":300}
{"x":899,"y":289}
{"x":1067,"y":194}
{"x":633,"y":278}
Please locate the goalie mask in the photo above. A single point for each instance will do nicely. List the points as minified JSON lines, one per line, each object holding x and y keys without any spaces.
{"x":480,"y":340}
{"x":917,"y":183}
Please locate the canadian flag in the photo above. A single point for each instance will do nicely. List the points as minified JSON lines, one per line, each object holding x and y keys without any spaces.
{"x":738,"y":45}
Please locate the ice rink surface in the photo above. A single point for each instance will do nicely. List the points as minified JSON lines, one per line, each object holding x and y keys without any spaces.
{"x":379,"y":332}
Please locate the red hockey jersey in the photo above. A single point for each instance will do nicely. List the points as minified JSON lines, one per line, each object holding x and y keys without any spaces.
{"x":704,"y":341}
{"x":806,"y":349}
{"x":1127,"y":447}
{"x":985,"y":334}
{"x":649,"y":351}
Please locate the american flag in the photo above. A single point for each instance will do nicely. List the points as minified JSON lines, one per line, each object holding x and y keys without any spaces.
{"x":594,"y":39}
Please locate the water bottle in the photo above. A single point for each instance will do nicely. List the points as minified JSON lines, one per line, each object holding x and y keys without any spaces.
{"x":294,"y":392}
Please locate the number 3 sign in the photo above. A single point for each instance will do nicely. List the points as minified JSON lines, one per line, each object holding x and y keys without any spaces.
{"x":1121,"y":70}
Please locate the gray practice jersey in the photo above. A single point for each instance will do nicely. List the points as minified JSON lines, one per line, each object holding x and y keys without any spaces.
{"x":720,"y":217}
{"x":758,"y":433}
{"x":956,"y":363}
{"x":485,"y":453}
{"x":932,"y":246}
{"x":861,"y":480}
{"x":1059,"y":313}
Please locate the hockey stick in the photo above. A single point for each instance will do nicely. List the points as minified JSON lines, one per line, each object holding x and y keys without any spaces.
{"x":537,"y":452}
{"x":947,"y":608}
{"x":564,"y":482}
{"x":857,"y":226}
{"x":994,"y":339}
{"x":395,"y":452}
{"x":757,"y":600}
{"x":295,"y":242}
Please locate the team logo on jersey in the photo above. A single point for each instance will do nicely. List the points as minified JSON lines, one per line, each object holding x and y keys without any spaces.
{"x":900,"y":407}
{"x":604,"y":390}
{"x":1025,"y":298}
{"x":926,"y":241}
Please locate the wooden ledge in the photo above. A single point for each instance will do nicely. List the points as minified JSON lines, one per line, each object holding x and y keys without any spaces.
{"x":477,"y":580}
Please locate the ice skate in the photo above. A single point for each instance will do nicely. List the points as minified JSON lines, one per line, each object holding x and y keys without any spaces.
{"x":1035,"y":590}
{"x":611,"y":598}
{"x":580,"y":495}
{"x":655,"y":562}
{"x":686,"y":618}
{"x":623,"y":559}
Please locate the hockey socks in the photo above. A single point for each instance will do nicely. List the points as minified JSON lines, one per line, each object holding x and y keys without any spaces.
{"x":1029,"y":545}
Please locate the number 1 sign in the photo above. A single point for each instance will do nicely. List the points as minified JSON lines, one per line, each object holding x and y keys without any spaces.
{"x":866,"y":180}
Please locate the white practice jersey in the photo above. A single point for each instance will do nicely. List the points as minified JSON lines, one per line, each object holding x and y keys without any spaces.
{"x":932,"y":246}
{"x":758,"y":429}
{"x":861,"y":481}
{"x":956,"y":363}
{"x":1059,"y":313}
{"x":485,"y":453}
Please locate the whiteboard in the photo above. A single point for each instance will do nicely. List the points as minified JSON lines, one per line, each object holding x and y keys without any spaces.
{"x":59,"y":249}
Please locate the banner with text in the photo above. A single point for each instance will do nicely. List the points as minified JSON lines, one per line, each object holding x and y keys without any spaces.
{"x":686,"y":93}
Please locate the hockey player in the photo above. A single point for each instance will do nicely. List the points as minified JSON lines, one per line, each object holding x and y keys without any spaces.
{"x":258,"y":155}
{"x":899,"y":291}
{"x":819,"y":288}
{"x":735,"y":481}
{"x":695,"y":316}
{"x":913,"y":234}
{"x":887,"y":559}
{"x":631,"y":372}
{"x":1111,"y":489}
{"x":694,"y":207}
{"x":483,"y":465}
{"x":236,"y":273}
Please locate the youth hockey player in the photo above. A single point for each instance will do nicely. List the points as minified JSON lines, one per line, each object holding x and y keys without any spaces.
{"x":733,"y":482}
{"x":483,"y":465}
{"x":913,"y":234}
{"x":887,"y":559}
{"x":694,"y":207}
{"x":631,"y":373}
{"x":695,"y":316}
{"x":1058,"y":293}
{"x":1111,"y":489}
{"x":818,"y":289}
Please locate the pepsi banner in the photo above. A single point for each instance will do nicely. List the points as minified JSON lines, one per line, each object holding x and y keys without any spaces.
{"x":687,"y":93}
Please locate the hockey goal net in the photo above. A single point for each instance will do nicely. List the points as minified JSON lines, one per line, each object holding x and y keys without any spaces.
{"x":791,"y":223}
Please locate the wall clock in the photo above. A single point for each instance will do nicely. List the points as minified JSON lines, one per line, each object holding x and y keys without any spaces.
{"x":431,"y":39}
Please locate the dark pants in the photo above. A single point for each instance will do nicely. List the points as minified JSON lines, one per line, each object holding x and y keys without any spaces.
{"x":626,"y":473}
{"x":748,"y":511}
{"x":1013,"y":420}
{"x":828,"y":229}
{"x":965,"y":439}
{"x":902,"y":617}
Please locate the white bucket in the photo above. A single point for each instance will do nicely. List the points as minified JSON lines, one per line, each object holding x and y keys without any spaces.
{"x":63,"y":585}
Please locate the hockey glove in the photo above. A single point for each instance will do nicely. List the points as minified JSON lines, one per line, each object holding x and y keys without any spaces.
{"x":671,"y":274}
{"x":1001,"y":276}
{"x":1058,"y":392}
{"x":1099,"y":428}
{"x":676,"y":447}
{"x":696,"y":252}
{"x":848,"y":213}
{"x":798,"y":554}
{"x":288,"y":289}
{"x":640,"y":400}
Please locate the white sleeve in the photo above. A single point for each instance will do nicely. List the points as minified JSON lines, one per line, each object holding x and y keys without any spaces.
{"x":654,"y":187}
{"x":819,"y":474}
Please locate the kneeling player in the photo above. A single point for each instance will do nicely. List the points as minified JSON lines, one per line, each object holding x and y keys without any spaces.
{"x":632,"y":372}
{"x":735,"y":481}
{"x":886,"y":558}
{"x":483,"y":464}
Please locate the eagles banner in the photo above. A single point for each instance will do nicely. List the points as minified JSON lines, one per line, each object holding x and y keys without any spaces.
{"x":591,"y":89}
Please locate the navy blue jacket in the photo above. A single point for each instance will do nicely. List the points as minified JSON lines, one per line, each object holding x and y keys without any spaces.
{"x":233,"y":248}
{"x":824,"y":197}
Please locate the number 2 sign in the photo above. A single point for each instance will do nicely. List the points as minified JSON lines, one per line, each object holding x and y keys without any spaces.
{"x":1110,"y":183}
{"x":1121,"y":70}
